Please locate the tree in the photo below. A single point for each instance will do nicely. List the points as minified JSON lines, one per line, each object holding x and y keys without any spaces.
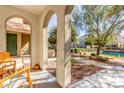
{"x":114,"y":10}
{"x":76,"y":19}
{"x":74,"y":35}
{"x":90,"y":40}
{"x":53,"y":36}
{"x":100,"y":24}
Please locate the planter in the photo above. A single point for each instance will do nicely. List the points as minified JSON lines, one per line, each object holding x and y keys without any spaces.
{"x":37,"y":67}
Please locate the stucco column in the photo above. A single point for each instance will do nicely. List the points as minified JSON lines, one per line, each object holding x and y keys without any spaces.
{"x":3,"y":35}
{"x":63,"y":51}
{"x":45,"y":48}
{"x":19,"y":41}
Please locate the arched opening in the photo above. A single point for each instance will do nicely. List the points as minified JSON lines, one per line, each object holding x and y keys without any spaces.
{"x":52,"y":44}
{"x":50,"y":26}
{"x":63,"y":64}
{"x":18,"y":38}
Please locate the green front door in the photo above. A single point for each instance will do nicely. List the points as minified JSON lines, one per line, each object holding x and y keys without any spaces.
{"x":12,"y":44}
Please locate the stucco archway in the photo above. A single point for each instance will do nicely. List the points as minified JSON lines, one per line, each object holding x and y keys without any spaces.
{"x":23,"y":35}
{"x":45,"y":37}
{"x":47,"y":18}
{"x":63,"y":69}
{"x":49,"y":46}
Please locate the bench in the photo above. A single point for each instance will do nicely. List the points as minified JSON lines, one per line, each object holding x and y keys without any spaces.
{"x":5,"y":62}
{"x":27,"y":69}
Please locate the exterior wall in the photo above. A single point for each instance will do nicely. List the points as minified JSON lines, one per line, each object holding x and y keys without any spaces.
{"x":25,"y":40}
{"x":19,"y":40}
{"x":8,"y":11}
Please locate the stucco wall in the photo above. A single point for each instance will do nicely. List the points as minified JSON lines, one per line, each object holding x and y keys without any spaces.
{"x":25,"y":40}
{"x":8,"y":11}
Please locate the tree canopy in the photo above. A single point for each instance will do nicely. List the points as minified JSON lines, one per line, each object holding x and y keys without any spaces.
{"x":53,"y":36}
{"x":100,"y":22}
{"x":52,"y":39}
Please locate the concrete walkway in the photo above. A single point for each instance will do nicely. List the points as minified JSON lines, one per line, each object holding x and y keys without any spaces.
{"x":40,"y":79}
{"x":109,"y":77}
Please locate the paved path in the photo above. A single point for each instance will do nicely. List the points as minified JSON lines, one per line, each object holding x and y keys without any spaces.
{"x":109,"y":77}
{"x":40,"y":79}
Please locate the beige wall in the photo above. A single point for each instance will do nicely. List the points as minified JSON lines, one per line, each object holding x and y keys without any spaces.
{"x":8,"y":11}
{"x":26,"y":39}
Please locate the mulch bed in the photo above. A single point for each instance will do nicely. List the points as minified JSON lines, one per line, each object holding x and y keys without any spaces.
{"x":79,"y":71}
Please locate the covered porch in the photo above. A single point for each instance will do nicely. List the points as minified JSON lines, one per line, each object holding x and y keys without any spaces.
{"x":38,"y":17}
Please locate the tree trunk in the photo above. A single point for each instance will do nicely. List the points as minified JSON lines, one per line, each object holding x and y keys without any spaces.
{"x":55,"y":52}
{"x":98,"y":49}
{"x":90,"y":45}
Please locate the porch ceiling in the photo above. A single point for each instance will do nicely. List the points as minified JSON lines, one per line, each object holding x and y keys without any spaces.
{"x":35,"y":9}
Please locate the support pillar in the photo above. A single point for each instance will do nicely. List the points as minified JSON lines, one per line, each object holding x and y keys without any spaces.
{"x":45,"y":48}
{"x":19,"y":42}
{"x":63,"y":51}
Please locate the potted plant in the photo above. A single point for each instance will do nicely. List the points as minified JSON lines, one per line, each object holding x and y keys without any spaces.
{"x":37,"y":67}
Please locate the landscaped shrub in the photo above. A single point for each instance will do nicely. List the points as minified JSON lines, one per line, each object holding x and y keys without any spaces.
{"x":93,"y":54}
{"x":72,"y":50}
{"x":102,"y":59}
{"x":73,"y":61}
{"x":76,"y":50}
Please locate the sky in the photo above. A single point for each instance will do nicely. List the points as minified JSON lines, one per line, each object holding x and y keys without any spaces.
{"x":81,"y":32}
{"x":52,"y":22}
